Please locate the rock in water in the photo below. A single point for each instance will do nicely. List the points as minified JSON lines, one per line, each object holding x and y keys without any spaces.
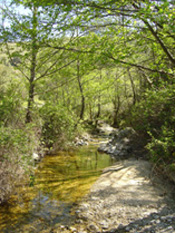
{"x":121,"y":145}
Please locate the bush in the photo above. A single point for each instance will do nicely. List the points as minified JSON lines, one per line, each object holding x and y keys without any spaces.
{"x":154,"y":116}
{"x":16,"y":149}
{"x":58,"y":125}
{"x":163,"y":146}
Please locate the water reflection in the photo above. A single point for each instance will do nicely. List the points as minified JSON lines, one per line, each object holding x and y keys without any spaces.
{"x":60,"y":181}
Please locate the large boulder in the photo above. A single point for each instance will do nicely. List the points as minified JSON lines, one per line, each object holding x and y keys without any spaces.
{"x":122,"y":143}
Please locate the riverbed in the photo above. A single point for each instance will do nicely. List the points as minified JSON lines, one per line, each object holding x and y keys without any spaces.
{"x":58,"y":184}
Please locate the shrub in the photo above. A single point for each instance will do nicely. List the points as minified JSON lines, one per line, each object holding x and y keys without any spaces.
{"x":16,"y":149}
{"x":58,"y":125}
{"x":155,"y":117}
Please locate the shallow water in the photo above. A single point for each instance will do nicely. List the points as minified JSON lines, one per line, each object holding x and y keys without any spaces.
{"x":60,"y":181}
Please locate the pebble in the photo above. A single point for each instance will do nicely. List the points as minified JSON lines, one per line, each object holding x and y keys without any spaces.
{"x":170,"y":228}
{"x":153,"y":221}
{"x":93,"y":228}
{"x":156,"y":216}
{"x":78,"y":211}
{"x":120,"y":226}
{"x":79,"y":221}
{"x":163,"y":218}
{"x":135,"y":226}
{"x":104,"y":225}
{"x":73,"y":229}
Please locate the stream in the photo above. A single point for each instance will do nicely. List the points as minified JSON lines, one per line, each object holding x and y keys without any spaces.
{"x":59,"y":183}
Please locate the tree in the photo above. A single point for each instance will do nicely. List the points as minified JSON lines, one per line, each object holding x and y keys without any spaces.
{"x":30,"y":32}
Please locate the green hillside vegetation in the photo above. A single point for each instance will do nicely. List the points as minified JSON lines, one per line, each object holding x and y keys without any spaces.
{"x":66,"y":65}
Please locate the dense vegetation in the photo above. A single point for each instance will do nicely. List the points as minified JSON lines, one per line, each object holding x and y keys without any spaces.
{"x":67,"y":64}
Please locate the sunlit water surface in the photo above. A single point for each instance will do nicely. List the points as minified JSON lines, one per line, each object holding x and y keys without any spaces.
{"x":59,"y":183}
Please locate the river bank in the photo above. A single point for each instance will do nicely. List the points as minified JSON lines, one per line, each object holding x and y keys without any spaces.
{"x":127,"y":197}
{"x":59,"y":181}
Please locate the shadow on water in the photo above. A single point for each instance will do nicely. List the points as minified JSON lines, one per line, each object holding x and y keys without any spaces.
{"x":59,"y":183}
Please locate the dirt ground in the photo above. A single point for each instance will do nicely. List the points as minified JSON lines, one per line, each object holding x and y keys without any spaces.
{"x":128,"y":197}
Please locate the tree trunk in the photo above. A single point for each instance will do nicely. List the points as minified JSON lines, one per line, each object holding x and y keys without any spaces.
{"x":90,"y":112}
{"x":99,"y":103}
{"x":81,"y":91}
{"x":30,"y":102}
{"x":116,"y":103}
{"x":33,"y":68}
{"x":133,"y":87}
{"x":98,"y":112}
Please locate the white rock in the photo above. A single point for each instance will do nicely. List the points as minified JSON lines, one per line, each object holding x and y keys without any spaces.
{"x":35,"y":156}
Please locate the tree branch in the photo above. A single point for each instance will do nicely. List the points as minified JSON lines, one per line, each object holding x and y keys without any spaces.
{"x":11,"y":60}
{"x":139,"y":66}
{"x":169,"y":55}
{"x":154,"y":33}
{"x":46,"y":72}
{"x":67,"y":49}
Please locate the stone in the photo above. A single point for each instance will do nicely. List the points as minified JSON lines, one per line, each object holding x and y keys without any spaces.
{"x":73,"y":229}
{"x":80,"y":221}
{"x":104,"y":225}
{"x":169,"y":220}
{"x":120,"y":227}
{"x":163,"y":218}
{"x":78,"y":211}
{"x":121,"y":145}
{"x":93,"y":228}
{"x":84,"y":207}
{"x":82,"y":140}
{"x":127,"y":228}
{"x":35,"y":156}
{"x":169,"y":228}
